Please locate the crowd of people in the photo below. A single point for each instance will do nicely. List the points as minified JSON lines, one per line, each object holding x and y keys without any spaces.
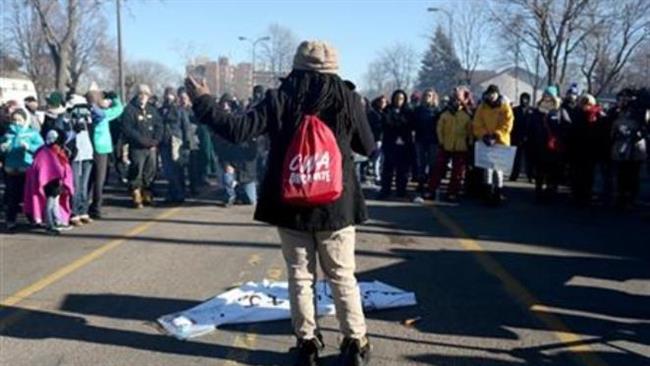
{"x":573,"y":141}
{"x":56,"y":159}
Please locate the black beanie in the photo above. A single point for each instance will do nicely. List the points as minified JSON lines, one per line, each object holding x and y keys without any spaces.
{"x":492,"y":89}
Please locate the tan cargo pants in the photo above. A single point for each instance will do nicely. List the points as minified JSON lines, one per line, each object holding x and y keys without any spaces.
{"x":335,"y":251}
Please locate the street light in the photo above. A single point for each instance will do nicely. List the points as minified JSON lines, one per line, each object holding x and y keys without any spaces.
{"x":449,"y":17}
{"x":120,"y":66}
{"x":254,"y":44}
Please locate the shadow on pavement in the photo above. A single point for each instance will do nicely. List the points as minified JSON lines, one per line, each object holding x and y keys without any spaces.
{"x":455,"y":297}
{"x":44,"y":325}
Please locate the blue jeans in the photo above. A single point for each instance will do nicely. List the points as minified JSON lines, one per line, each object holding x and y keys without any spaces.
{"x":52,"y":213}
{"x":174,"y":173}
{"x":377,"y":159}
{"x":249,"y":189}
{"x":81,"y":170}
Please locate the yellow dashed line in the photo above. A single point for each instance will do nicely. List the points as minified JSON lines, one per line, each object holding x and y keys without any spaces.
{"x":248,"y":341}
{"x":62,"y":272}
{"x":518,"y":291}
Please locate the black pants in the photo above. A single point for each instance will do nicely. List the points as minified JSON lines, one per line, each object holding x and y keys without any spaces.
{"x":548,"y":175}
{"x":628,"y":181}
{"x":396,"y":164}
{"x":98,"y":179}
{"x":521,"y":157}
{"x":14,"y":189}
{"x":195,"y":171}
{"x":582,"y":180}
{"x":121,"y":168}
{"x":143,"y":168}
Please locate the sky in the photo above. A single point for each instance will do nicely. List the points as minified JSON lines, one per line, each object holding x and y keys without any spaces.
{"x":359,"y":29}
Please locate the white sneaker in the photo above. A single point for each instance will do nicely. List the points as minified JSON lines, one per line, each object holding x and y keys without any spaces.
{"x":418,"y":200}
{"x":86,"y":219}
{"x":63,"y":227}
{"x":76,"y":221}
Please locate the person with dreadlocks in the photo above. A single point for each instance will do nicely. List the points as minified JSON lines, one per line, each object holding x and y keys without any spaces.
{"x":325,"y":232}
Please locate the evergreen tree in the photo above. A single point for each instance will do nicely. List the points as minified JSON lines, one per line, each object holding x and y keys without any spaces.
{"x":441,"y":67}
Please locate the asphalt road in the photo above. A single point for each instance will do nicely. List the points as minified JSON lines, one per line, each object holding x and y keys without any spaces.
{"x":522,"y":284}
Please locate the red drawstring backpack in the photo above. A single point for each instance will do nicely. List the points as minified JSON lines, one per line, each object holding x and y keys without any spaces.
{"x":312,"y":172}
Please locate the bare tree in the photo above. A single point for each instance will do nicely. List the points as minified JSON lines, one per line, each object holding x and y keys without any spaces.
{"x":472,"y":34}
{"x":58,"y":26}
{"x":618,"y":33}
{"x":399,"y":62}
{"x":514,"y":51}
{"x":556,"y":28}
{"x":57,"y":42}
{"x":376,"y":79}
{"x":277,"y":53}
{"x":90,"y":46}
{"x":394,"y":68}
{"x":152,"y":73}
{"x":23,"y":35}
{"x":636,"y":73}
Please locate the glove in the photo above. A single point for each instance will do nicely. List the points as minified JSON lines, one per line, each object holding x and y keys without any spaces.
{"x":110,"y":95}
{"x":487,"y":139}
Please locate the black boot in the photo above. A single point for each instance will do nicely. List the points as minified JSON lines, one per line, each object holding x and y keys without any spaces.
{"x":307,"y":351}
{"x":499,"y":198}
{"x":355,"y":352}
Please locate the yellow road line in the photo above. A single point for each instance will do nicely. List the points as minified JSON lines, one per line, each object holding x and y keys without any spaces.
{"x":247,"y":341}
{"x":78,"y":263}
{"x":518,"y":291}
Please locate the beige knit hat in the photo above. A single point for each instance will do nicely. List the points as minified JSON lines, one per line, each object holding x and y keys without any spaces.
{"x":143,"y":89}
{"x":316,"y":56}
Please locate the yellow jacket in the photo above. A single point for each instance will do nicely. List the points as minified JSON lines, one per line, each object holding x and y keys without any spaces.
{"x":497,"y":120}
{"x":454,"y":129}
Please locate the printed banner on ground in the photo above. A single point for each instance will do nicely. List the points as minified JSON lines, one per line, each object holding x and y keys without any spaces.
{"x":267,"y":301}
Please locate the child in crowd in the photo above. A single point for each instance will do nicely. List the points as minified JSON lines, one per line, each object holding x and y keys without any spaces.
{"x":49,"y":186}
{"x":19,"y":144}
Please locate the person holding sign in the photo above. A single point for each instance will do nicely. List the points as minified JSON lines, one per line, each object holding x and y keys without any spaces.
{"x":492,"y":125}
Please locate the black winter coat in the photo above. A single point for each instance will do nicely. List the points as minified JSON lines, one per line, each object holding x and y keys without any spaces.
{"x":521,"y":124}
{"x":272,"y":117}
{"x":544,"y":126}
{"x":141,"y":128}
{"x":425,"y":123}
{"x":242,"y":157}
{"x":375,"y":119}
{"x":397,"y":125}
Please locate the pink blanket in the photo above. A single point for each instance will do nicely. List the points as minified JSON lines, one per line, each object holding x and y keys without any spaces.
{"x":46,"y":168}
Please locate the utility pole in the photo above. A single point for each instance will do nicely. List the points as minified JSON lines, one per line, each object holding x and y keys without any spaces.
{"x":120,"y":63}
{"x":254,"y":45}
{"x":517,"y":70}
{"x":647,"y":69}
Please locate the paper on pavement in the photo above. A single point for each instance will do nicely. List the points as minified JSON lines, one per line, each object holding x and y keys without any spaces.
{"x":267,"y":301}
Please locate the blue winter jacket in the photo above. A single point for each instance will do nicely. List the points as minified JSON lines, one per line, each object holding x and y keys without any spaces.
{"x":102,"y":133}
{"x":17,"y":157}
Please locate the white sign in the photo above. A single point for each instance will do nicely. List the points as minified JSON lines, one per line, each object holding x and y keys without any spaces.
{"x":268,"y":300}
{"x":498,"y":157}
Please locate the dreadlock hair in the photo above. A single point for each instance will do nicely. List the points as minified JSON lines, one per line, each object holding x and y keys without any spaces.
{"x":318,"y":93}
